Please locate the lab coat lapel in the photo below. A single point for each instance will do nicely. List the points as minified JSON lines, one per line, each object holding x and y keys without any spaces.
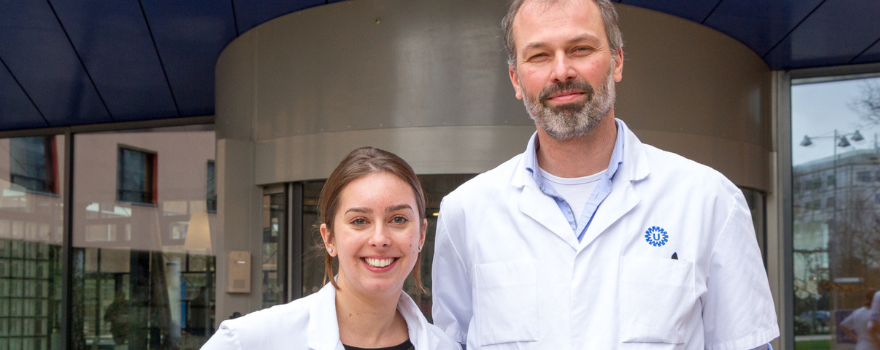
{"x":416,"y":324}
{"x":543,"y":209}
{"x":623,"y":196}
{"x":323,"y":326}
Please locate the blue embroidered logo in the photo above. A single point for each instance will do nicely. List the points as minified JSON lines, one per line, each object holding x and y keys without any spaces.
{"x":656,"y":236}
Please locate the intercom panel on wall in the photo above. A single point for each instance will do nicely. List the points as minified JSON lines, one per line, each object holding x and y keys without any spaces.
{"x":239,"y":272}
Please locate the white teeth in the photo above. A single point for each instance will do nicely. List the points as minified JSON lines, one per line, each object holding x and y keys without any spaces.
{"x":378,"y":262}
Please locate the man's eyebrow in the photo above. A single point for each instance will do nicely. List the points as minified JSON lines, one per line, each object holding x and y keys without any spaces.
{"x":359,"y":210}
{"x":585,"y":37}
{"x":534,"y":46}
{"x":397,"y":207}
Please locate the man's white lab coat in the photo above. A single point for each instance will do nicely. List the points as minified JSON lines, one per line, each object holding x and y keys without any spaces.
{"x":509,"y":272}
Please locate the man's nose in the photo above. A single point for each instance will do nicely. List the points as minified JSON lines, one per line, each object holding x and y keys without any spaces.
{"x":562,"y":69}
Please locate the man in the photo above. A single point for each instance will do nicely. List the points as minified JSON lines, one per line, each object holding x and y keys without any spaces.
{"x":590,"y":239}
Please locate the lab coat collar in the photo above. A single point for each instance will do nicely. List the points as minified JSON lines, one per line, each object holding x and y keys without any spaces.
{"x":417,"y":326}
{"x":324,"y":327}
{"x":635,"y":161}
{"x":623,"y":196}
{"x":622,"y":199}
{"x":534,"y":203}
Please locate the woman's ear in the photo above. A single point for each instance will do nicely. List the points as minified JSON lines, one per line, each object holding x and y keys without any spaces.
{"x":328,"y":241}
{"x":424,"y":231}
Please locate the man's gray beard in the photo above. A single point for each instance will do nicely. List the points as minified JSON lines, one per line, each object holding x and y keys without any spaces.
{"x":572,"y":120}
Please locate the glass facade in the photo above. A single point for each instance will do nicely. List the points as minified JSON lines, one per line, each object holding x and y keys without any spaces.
{"x":31,"y":236}
{"x":836,"y":240}
{"x":142,"y":261}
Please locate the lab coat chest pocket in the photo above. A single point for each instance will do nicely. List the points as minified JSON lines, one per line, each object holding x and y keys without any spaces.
{"x":656,"y":299}
{"x":507,"y":302}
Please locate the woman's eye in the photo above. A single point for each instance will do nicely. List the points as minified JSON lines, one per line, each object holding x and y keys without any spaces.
{"x":359,"y":222}
{"x":400,"y":220}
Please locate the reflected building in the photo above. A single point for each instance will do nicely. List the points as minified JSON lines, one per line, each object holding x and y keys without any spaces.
{"x":836,"y":236}
{"x":31,"y":236}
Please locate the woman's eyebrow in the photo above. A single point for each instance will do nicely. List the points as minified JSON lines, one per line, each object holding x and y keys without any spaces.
{"x":359,"y":210}
{"x":397,"y":207}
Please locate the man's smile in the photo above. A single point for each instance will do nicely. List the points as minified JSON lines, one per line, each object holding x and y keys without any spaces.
{"x":565,"y":96}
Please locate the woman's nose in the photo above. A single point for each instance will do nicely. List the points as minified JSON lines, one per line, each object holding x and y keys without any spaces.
{"x":380,"y":238}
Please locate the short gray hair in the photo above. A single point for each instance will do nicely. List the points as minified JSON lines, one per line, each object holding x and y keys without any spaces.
{"x":609,"y":17}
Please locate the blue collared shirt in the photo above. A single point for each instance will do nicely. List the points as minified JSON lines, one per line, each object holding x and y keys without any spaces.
{"x":602,"y":190}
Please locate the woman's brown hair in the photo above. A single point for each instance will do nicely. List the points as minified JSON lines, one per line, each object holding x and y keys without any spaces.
{"x":359,"y":163}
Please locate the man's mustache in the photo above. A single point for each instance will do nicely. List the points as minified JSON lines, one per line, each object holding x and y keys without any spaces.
{"x":572,"y":85}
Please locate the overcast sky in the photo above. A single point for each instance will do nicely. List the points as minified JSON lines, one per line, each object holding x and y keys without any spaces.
{"x":817,"y":109}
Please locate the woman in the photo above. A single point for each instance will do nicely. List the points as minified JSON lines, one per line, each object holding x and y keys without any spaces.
{"x":373,"y":213}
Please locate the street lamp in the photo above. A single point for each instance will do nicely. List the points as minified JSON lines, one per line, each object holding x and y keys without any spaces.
{"x":839,"y":138}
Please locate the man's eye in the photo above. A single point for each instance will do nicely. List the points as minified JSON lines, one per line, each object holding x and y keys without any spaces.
{"x":538,"y":57}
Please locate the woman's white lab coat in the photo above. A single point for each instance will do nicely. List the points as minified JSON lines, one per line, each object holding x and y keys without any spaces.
{"x":310,"y":323}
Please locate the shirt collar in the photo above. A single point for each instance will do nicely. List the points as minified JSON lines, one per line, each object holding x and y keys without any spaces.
{"x":531,"y":157}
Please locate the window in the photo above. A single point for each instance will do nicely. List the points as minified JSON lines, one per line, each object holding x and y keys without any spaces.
{"x":211,"y":195}
{"x":813,"y":184}
{"x":32,"y":163}
{"x":136,"y":176}
{"x":835,"y":246}
{"x":831,"y":180}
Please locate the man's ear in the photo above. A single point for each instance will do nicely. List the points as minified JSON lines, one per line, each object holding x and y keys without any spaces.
{"x":618,"y":65}
{"x":511,"y":69}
